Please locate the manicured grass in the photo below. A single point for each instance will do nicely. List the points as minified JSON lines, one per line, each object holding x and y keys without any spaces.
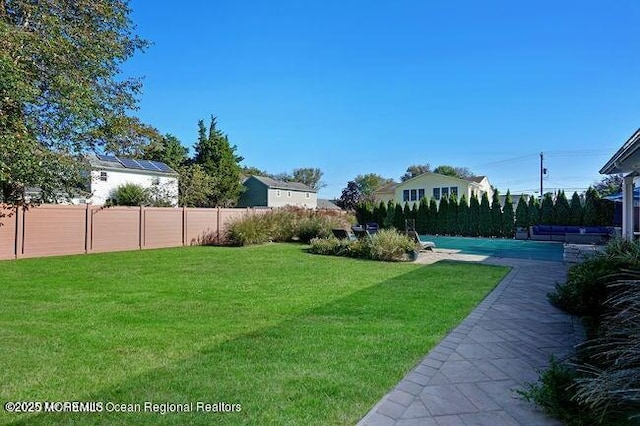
{"x":295,"y":338}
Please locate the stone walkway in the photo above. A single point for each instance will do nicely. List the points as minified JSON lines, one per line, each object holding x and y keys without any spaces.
{"x":470,"y":377}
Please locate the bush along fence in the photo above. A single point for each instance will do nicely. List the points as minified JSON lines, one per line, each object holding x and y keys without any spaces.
{"x":487,"y":218}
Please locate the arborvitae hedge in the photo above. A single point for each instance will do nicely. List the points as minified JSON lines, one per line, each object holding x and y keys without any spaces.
{"x":508,"y":217}
{"x":496,"y":215}
{"x":474,"y":216}
{"x":522,"y":213}
{"x":398,"y":218}
{"x":546,"y":211}
{"x":463,"y":216}
{"x":575,"y":210}
{"x":443,"y":213}
{"x":421,"y":219}
{"x":561,"y":209}
{"x":452,"y":216}
{"x":484,"y":219}
{"x":432,"y":221}
{"x":391,"y":212}
{"x":534,"y":211}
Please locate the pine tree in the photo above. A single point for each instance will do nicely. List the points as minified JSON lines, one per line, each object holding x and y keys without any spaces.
{"x":484,"y":219}
{"x":474,"y":216}
{"x":508,"y":224}
{"x":562,"y":209}
{"x":496,"y":215}
{"x":414,"y":214}
{"x":421,"y":218}
{"x":575,"y":210}
{"x":432,"y":218}
{"x":534,"y":211}
{"x":463,"y":216}
{"x":522,"y":213}
{"x":546,"y":211}
{"x":218,"y":159}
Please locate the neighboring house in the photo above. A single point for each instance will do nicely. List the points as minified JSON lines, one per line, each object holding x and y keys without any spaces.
{"x":324,"y":204}
{"x":109,"y":172}
{"x":385,"y":193}
{"x":627,"y":161}
{"x":434,"y":185}
{"x":515,"y":198}
{"x":262,"y":191}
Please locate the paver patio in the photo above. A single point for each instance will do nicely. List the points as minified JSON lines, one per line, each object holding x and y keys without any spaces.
{"x":470,"y":377}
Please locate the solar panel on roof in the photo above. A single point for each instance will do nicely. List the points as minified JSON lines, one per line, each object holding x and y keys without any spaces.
{"x":103,"y":157}
{"x":148,"y":165}
{"x":130,"y":163}
{"x":162,"y":167}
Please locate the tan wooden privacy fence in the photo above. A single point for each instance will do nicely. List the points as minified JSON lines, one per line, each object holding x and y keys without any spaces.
{"x":50,"y":229}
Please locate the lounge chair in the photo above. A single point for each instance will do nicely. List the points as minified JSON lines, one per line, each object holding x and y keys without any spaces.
{"x":424,"y":245}
{"x":361,"y":233}
{"x":343,"y":234}
{"x":372,"y":227}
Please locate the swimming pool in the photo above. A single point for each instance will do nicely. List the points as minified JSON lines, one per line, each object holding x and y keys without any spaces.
{"x":499,"y":247}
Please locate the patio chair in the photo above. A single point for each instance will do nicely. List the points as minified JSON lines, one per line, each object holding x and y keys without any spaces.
{"x":424,"y":245}
{"x":372,"y":227}
{"x":343,"y":234}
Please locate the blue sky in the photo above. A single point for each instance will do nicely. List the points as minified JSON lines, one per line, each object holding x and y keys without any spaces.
{"x":356,"y":87}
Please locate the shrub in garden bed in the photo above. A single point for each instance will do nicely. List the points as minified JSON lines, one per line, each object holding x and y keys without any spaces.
{"x":282,"y":225}
{"x":602,"y":387}
{"x":386,"y":245}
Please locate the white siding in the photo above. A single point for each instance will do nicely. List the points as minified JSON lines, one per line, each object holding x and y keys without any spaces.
{"x":101,"y":190}
{"x":289,"y":197}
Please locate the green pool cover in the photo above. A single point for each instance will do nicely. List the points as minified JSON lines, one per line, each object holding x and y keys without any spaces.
{"x":499,"y":247}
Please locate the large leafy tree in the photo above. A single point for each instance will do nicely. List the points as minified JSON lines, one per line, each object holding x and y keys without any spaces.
{"x":61,"y":91}
{"x":369,"y":183}
{"x":459,"y":172}
{"x":218,"y":159}
{"x":350,"y":197}
{"x":608,"y":185}
{"x":312,"y":177}
{"x":168,"y":150}
{"x":415,"y":170}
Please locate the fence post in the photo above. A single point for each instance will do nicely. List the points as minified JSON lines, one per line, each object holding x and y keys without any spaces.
{"x":19,"y":246}
{"x":184,"y":226}
{"x":141,"y":227}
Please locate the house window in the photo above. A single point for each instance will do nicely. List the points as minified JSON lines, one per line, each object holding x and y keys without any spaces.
{"x":103,"y":176}
{"x":454,"y":191}
{"x":289,"y":194}
{"x":307,"y":195}
{"x":436,"y":193}
{"x":445,"y":191}
{"x":414,"y":195}
{"x":420,"y":194}
{"x":277,"y":192}
{"x":405,"y":195}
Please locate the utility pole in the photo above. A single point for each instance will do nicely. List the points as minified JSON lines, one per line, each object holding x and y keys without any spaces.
{"x":543,"y":172}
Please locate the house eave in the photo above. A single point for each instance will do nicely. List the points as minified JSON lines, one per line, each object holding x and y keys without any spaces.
{"x":626,"y":159}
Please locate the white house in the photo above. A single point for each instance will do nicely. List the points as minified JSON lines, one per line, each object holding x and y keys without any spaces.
{"x":261,"y":191}
{"x":626,"y":161}
{"x":108,"y":172}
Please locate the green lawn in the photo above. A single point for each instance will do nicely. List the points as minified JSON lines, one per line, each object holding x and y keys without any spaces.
{"x":294,"y":338}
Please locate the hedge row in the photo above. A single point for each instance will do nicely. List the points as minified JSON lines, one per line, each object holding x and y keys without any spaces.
{"x":486,"y":218}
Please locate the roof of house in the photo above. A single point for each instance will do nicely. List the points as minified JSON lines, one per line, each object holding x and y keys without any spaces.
{"x":626,"y":159}
{"x":99,"y":161}
{"x":280,"y":184}
{"x":390,"y":187}
{"x":324,"y":204}
{"x":476,"y":179}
